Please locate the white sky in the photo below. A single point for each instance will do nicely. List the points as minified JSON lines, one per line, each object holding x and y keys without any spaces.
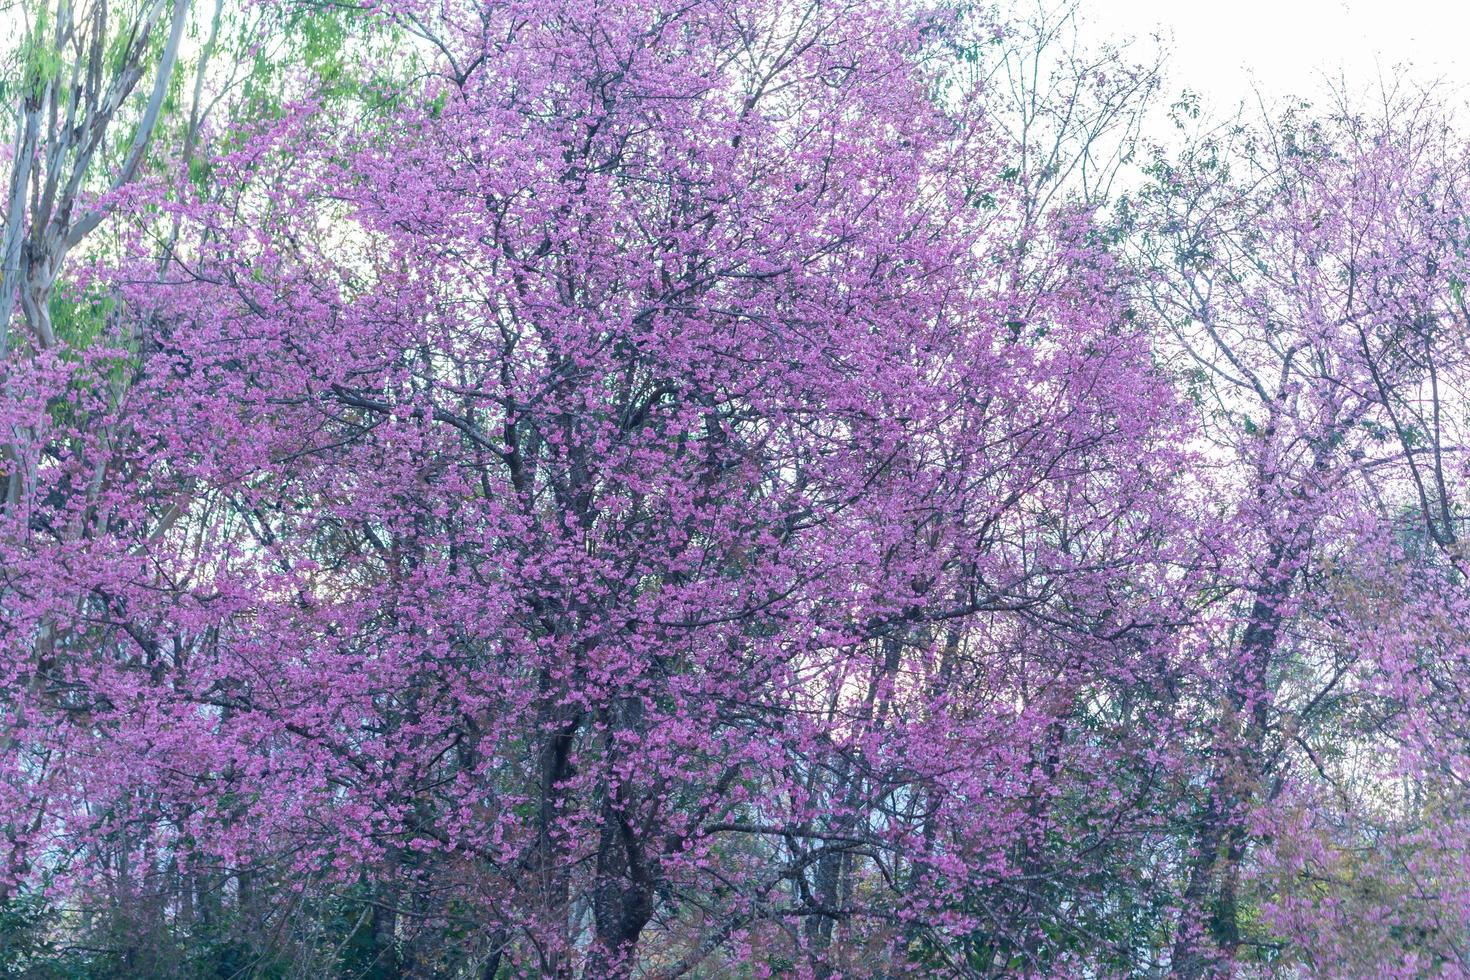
{"x":1221,"y":48}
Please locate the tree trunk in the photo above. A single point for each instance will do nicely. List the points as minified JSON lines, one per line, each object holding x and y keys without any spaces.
{"x":622,"y":900}
{"x":1221,"y":839}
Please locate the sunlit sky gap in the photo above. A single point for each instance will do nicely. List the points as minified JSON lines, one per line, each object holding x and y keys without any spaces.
{"x":1227,"y":51}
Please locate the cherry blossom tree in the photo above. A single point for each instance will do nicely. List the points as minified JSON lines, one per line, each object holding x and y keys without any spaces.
{"x":1312,"y":267}
{"x":567,"y":489}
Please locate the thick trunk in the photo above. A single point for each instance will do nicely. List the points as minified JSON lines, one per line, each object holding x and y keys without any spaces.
{"x":491,"y":970}
{"x":622,"y":900}
{"x":623,"y":893}
{"x":554,"y":884}
{"x":821,"y":929}
{"x":384,"y":948}
{"x":1206,"y":946}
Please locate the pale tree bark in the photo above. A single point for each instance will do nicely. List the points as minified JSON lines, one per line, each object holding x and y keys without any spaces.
{"x":78,"y":85}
